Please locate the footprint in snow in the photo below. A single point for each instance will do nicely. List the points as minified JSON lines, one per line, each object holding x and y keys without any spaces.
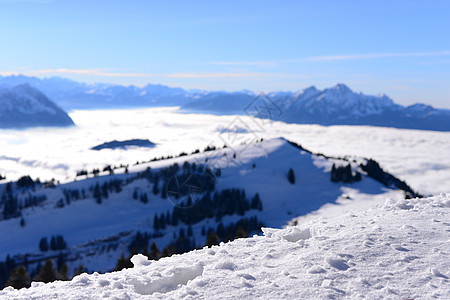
{"x":399,"y":247}
{"x":438,"y":274}
{"x":337,"y":263}
{"x":316,"y":270}
{"x":246,"y":276}
{"x":226,"y":265}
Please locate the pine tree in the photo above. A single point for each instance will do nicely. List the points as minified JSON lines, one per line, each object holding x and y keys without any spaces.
{"x":156,"y":225}
{"x":168,"y":219}
{"x":79,"y":270}
{"x":256,"y":202}
{"x":333,"y":173}
{"x":291,"y":176}
{"x":241,"y":233}
{"x":53,"y":243}
{"x":164,"y":192}
{"x":212,"y":239}
{"x":155,"y":186}
{"x":105,"y":190}
{"x":43,"y":244}
{"x":144,"y":198}
{"x":122,"y":263}
{"x":19,"y":278}
{"x":203,"y":230}
{"x":63,"y":272}
{"x":221,"y":230}
{"x":154,"y":252}
{"x":97,"y":194}
{"x":174,"y":220}
{"x":145,"y":250}
{"x":47,"y":273}
{"x":162,"y":221}
{"x":169,"y":250}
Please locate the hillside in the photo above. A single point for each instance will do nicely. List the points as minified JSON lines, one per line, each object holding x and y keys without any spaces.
{"x":24,"y":106}
{"x":398,"y":250}
{"x":176,"y":203}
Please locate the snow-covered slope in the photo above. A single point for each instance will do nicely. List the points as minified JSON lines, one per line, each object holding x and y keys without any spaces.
{"x":25,"y":106}
{"x":398,"y":250}
{"x":98,"y":231}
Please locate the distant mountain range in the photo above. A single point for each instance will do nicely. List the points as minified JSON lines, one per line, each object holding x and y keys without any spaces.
{"x":72,"y":95}
{"x":24,"y":106}
{"x":338,"y":105}
{"x":332,"y":106}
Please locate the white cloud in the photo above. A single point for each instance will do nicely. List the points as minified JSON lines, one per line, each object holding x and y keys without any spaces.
{"x":212,"y":75}
{"x":93,"y":72}
{"x":245,"y":63}
{"x":374,"y":55}
{"x":325,"y":58}
{"x":109,"y":73}
{"x":32,"y":1}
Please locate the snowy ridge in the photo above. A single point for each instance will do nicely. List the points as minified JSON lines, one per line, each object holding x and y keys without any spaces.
{"x":25,"y":106}
{"x":398,"y":250}
{"x":338,"y":105}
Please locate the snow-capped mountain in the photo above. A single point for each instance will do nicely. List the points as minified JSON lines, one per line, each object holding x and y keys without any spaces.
{"x":338,"y":105}
{"x":24,"y":106}
{"x":398,"y":250}
{"x":128,"y":208}
{"x":71,"y":95}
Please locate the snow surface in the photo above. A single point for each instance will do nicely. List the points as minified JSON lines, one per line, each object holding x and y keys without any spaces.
{"x":418,"y":157}
{"x":398,"y":250}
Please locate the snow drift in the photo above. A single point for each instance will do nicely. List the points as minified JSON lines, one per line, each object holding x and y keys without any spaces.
{"x":398,"y":250}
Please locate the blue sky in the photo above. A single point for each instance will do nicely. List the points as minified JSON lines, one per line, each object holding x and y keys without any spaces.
{"x":401,"y":48}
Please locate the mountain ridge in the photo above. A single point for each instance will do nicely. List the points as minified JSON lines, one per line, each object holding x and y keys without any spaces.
{"x":23,"y":106}
{"x":338,"y":105}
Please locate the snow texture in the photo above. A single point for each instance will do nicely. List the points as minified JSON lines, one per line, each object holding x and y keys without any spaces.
{"x":398,"y":250}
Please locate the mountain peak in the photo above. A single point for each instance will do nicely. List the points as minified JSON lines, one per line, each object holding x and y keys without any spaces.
{"x":342,"y":88}
{"x":25,"y":106}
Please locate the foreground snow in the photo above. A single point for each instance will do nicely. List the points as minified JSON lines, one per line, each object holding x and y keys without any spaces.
{"x":399,"y":250}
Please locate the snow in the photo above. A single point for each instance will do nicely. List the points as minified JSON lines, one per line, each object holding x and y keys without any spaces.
{"x":84,"y":221}
{"x":25,"y":99}
{"x":398,"y":250}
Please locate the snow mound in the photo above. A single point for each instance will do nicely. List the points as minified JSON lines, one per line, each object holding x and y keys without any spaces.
{"x":398,"y":250}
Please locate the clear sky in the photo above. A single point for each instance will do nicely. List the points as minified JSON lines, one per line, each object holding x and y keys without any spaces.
{"x":401,"y":48}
